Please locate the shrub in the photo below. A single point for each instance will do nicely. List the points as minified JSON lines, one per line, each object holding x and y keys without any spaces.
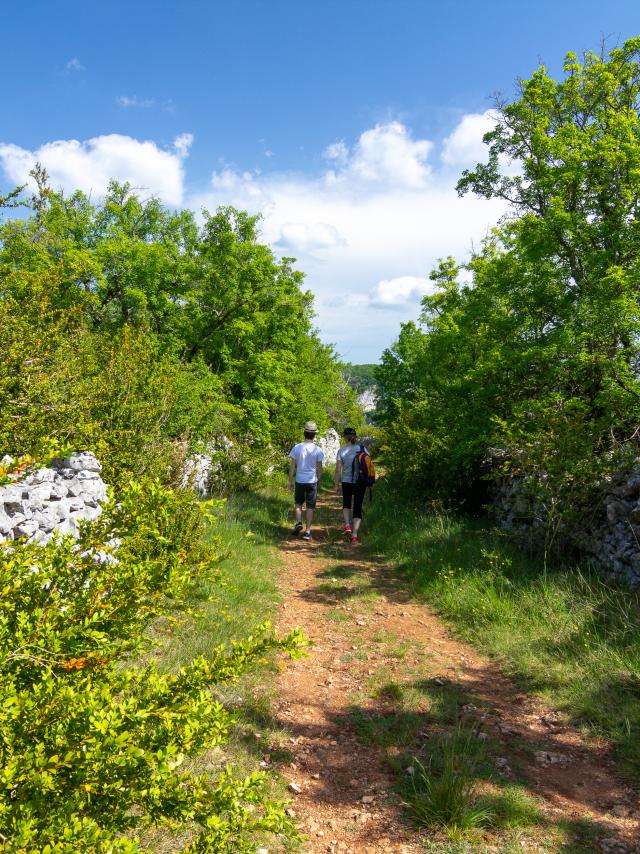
{"x":90,"y":744}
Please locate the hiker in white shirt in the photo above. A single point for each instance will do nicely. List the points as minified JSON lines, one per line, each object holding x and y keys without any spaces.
{"x":305,"y":465}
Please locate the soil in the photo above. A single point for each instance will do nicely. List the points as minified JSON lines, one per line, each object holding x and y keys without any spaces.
{"x":348,"y":797}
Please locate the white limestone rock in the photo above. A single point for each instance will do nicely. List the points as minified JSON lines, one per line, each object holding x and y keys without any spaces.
{"x":330,"y":444}
{"x":26,"y":528}
{"x":83,"y":461}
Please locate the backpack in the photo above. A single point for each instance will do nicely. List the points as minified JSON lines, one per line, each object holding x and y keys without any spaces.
{"x":366,"y":469}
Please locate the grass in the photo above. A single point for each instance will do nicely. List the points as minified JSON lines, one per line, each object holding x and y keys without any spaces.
{"x":561,"y":631}
{"x":444,"y":793}
{"x":221,"y":612}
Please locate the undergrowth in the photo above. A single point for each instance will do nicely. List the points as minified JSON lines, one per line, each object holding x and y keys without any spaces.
{"x":242,"y":599}
{"x":561,"y":631}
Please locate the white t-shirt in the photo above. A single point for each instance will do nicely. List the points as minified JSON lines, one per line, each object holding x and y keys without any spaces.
{"x":306,"y":455}
{"x":346,"y":456}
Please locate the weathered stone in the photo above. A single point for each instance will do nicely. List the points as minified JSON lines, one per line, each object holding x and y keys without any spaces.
{"x":25,"y":529}
{"x":94,"y":488}
{"x":83,"y":461}
{"x":41,"y":536}
{"x":60,"y":509}
{"x":57,"y":492}
{"x":88,"y":475}
{"x":330,"y":444}
{"x":46,"y":521}
{"x":66,"y":527}
{"x":41,"y":492}
{"x":629,"y":488}
{"x":616,"y":510}
{"x":16,"y":519}
{"x":102,"y":557}
{"x":43,"y":475}
{"x":52,"y":501}
{"x":91,"y":513}
{"x":610,"y":540}
{"x":73,"y":488}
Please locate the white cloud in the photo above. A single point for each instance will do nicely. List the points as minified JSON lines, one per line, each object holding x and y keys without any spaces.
{"x":74,"y":64}
{"x":401,"y":291}
{"x":383,"y":155}
{"x":133,"y":101}
{"x":182,"y":144}
{"x":464,"y":147}
{"x":89,"y":165}
{"x":309,"y":237}
{"x":367,"y":231}
{"x":337,"y":151}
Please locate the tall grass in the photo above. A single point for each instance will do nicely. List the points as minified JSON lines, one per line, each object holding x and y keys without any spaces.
{"x":562,"y":631}
{"x":444,"y":793}
{"x":245,"y":526}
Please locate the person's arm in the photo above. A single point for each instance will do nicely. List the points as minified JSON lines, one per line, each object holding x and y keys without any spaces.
{"x":338,"y":473}
{"x":292,"y":471}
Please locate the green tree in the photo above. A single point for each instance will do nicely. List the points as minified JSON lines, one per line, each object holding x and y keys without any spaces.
{"x":539,"y":352}
{"x":149,"y":327}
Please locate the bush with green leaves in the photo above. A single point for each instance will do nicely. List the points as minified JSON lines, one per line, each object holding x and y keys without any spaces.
{"x":92,"y":744}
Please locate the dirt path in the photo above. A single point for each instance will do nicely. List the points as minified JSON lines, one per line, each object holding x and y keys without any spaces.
{"x":382,"y":677}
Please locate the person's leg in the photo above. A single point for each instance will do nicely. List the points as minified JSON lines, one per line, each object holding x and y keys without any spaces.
{"x":299,"y":500}
{"x":347,"y":494}
{"x":358,"y":497}
{"x":311,"y":493}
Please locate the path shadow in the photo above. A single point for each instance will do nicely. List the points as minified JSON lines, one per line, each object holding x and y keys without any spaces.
{"x":609,"y":700}
{"x":332,"y":753}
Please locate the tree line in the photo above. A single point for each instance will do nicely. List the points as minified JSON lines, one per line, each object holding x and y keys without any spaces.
{"x":532,"y":345}
{"x":125,"y":326}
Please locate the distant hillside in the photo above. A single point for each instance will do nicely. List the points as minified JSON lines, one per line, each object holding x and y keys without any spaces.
{"x":359,"y":377}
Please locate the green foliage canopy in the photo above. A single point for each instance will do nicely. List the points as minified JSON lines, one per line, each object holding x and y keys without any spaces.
{"x":123,"y":324}
{"x":535,"y":349}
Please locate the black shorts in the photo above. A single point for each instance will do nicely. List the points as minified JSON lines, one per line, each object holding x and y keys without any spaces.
{"x":353,"y":492}
{"x":306,"y":492}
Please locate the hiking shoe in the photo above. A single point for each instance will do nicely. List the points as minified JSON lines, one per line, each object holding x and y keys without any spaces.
{"x":354,"y":541}
{"x":307,"y":535}
{"x":298,"y":527}
{"x":346,"y":529}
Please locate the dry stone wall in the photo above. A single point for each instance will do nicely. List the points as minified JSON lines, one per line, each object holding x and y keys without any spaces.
{"x":609,"y":538}
{"x":52,"y":501}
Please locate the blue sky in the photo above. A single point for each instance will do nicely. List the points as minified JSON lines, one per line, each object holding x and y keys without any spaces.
{"x":345,"y":123}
